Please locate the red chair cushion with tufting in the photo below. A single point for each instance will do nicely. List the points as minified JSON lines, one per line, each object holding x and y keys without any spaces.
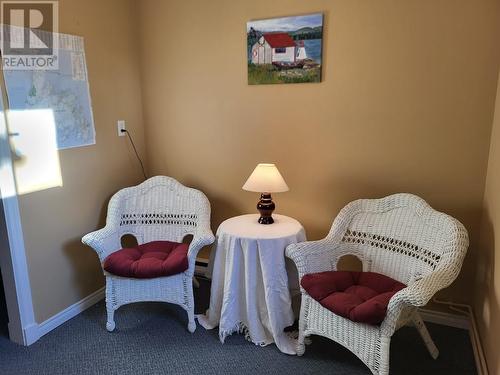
{"x":149,"y":260}
{"x":358,"y":296}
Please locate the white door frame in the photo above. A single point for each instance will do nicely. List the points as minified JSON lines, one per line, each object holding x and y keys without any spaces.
{"x":22,"y":324}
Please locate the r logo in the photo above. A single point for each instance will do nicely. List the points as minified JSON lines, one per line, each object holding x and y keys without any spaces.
{"x":28,"y":29}
{"x":35,"y":23}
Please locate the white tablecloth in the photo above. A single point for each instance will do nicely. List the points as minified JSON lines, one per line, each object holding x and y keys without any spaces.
{"x":250,"y":289}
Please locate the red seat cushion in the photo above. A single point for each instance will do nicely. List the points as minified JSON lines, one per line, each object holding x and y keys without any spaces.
{"x":152,"y":259}
{"x":358,"y":296}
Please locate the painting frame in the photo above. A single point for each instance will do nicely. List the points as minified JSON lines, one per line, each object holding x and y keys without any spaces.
{"x":285,"y":49}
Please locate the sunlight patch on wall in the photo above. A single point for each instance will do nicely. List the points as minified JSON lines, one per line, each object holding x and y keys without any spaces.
{"x":34,"y":150}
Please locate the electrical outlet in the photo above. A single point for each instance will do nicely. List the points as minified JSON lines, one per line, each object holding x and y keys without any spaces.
{"x":121,"y":126}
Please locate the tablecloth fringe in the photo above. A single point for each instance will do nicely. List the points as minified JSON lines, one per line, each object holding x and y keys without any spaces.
{"x":239,"y":328}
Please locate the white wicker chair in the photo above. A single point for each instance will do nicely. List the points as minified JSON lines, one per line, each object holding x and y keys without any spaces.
{"x":158,"y":209}
{"x":400,"y":236}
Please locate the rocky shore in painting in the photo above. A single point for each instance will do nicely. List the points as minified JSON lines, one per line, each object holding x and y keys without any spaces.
{"x":269,"y":73}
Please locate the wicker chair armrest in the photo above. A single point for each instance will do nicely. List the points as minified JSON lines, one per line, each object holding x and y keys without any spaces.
{"x":417,"y":294}
{"x":202,"y":237}
{"x":420,"y":292}
{"x":104,"y":241}
{"x":313,"y":256}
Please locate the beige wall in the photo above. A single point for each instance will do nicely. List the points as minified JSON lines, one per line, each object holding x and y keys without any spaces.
{"x":487,"y":285}
{"x":62,"y":270}
{"x":405,"y":105}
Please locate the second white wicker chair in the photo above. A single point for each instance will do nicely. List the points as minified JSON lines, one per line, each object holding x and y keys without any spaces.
{"x":399,"y":236}
{"x":158,"y":209}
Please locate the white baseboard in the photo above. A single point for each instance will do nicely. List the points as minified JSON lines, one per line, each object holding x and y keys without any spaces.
{"x":482,"y":367}
{"x":446,"y":319}
{"x":201,"y":267}
{"x":35,"y":331}
{"x":200,"y":270}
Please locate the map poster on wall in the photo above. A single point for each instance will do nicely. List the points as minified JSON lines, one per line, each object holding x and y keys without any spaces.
{"x":63,"y":92}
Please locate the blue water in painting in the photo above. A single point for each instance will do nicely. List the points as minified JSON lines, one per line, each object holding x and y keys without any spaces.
{"x":312,"y":46}
{"x":313,"y":49}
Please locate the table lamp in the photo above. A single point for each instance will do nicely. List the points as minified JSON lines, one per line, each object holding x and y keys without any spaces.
{"x":266,"y":179}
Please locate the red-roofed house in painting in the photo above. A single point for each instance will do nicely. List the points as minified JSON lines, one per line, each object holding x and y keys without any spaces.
{"x":274,"y":47}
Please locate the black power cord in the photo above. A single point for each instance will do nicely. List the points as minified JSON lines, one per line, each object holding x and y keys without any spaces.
{"x":136,"y":153}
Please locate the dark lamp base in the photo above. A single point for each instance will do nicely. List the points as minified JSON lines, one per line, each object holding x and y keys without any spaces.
{"x":266,"y":220}
{"x":266,"y":207}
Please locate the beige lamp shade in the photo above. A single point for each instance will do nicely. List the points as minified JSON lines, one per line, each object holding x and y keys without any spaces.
{"x":266,"y":178}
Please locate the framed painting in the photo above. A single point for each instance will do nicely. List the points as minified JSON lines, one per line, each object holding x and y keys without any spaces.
{"x":285,"y":50}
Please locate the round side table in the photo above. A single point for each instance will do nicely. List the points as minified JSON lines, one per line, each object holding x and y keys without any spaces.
{"x":250,"y":289}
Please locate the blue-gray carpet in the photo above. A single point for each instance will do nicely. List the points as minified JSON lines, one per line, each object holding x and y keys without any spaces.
{"x":151,"y":338}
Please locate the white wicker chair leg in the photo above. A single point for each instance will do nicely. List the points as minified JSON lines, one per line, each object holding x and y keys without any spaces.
{"x":301,"y":347}
{"x":110,"y":304}
{"x":192,"y":323}
{"x":110,"y":324}
{"x":385,"y":344}
{"x":424,"y":333}
{"x":190,"y":306}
